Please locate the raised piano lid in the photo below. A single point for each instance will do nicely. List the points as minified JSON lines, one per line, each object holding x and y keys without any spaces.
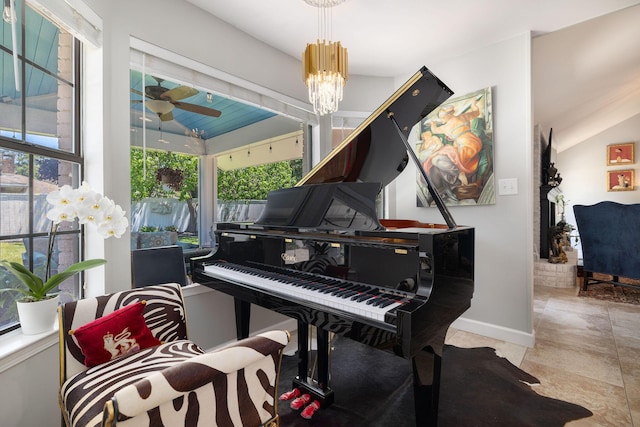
{"x":374,"y":152}
{"x":340,"y":192}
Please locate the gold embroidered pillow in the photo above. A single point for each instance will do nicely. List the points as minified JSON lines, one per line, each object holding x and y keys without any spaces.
{"x":121,"y":332}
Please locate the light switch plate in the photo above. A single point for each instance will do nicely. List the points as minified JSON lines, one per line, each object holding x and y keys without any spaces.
{"x":507,"y":186}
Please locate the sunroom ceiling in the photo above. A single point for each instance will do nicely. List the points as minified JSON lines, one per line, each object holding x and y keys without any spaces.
{"x":234,"y":115}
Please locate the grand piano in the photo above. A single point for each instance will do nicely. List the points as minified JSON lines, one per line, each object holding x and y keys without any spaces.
{"x":320,"y":254}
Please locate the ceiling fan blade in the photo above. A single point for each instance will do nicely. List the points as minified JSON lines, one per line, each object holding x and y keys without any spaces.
{"x":178,"y":93}
{"x":197,"y":109}
{"x":137,"y":92}
{"x":166,"y":116}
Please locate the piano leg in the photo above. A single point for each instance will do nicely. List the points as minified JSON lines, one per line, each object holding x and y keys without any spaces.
{"x":243,"y":316}
{"x":303,"y":351}
{"x":322,"y":338}
{"x":426,"y":386}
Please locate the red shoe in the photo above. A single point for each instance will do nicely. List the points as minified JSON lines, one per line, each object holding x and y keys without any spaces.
{"x":300,"y":401}
{"x":290,"y":394}
{"x":310,"y":410}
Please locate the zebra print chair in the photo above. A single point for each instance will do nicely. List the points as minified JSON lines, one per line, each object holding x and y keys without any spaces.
{"x":174,"y":383}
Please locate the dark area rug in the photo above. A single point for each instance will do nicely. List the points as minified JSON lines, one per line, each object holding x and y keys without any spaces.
{"x":479,"y":388}
{"x":629,"y":294}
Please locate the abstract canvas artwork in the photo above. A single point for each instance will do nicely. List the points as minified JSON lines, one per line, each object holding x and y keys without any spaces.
{"x":455,"y":147}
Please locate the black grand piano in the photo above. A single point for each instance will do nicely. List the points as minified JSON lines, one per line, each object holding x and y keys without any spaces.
{"x":319,"y":254}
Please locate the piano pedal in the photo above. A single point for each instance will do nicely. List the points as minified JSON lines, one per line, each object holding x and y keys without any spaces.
{"x":299,"y":402}
{"x":290,"y":394}
{"x":311,"y":409}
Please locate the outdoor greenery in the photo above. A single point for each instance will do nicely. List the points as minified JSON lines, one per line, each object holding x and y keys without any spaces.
{"x":190,"y":239}
{"x":252,"y":183}
{"x":255,"y":182}
{"x":12,"y":250}
{"x":148,"y":186}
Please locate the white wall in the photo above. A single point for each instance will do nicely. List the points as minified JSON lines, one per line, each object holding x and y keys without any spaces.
{"x":502,"y":302}
{"x":584,"y":168}
{"x":210,"y":318}
{"x":28,"y":391}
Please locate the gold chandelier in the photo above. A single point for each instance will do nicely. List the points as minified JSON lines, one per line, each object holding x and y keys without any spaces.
{"x":325,"y":63}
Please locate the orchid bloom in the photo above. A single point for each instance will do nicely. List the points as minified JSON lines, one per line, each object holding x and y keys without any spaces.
{"x":89,"y":207}
{"x":63,"y":202}
{"x":93,"y":209}
{"x":114,"y":223}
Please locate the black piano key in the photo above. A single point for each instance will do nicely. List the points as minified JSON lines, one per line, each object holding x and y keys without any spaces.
{"x":347,"y":294}
{"x":343,"y":291}
{"x":362,"y":297}
{"x":386,"y":302}
{"x":372,"y":300}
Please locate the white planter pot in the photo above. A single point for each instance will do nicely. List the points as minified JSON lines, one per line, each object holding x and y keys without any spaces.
{"x":38,"y":317}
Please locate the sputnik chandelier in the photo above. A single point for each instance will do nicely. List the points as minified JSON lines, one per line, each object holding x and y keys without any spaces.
{"x":325,"y":63}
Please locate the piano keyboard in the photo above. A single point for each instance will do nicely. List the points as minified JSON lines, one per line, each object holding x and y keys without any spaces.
{"x":356,"y":298}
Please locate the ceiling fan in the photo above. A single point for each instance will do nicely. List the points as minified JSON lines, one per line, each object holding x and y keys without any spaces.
{"x":163,"y":100}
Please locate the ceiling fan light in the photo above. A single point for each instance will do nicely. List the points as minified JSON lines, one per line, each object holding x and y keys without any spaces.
{"x":159,"y":107}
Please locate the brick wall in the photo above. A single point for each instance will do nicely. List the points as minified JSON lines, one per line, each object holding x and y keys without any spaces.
{"x":556,"y":275}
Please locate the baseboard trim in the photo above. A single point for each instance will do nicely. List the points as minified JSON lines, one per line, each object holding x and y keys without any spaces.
{"x":476,"y":327}
{"x":494,"y":331}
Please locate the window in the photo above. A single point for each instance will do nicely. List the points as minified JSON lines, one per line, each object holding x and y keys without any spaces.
{"x":164,"y":196}
{"x":39,"y":147}
{"x":242,"y":193}
{"x":251,"y":118}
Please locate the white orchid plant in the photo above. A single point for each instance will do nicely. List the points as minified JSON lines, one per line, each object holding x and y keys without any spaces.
{"x":90,"y":208}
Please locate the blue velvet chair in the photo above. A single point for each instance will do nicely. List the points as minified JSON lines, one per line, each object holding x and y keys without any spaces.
{"x":610,"y":238}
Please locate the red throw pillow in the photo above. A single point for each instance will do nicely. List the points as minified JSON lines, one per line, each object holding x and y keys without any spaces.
{"x":121,"y":332}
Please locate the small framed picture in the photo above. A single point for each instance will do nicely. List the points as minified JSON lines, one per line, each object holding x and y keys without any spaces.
{"x":620,"y":180}
{"x":620,"y":154}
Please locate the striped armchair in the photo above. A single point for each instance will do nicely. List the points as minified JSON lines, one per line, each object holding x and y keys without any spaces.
{"x":174,"y":383}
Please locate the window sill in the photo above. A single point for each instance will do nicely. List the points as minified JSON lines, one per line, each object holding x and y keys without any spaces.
{"x":16,"y":347}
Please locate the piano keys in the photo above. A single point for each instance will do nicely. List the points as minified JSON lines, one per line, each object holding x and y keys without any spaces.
{"x":346,"y":297}
{"x":320,"y":255}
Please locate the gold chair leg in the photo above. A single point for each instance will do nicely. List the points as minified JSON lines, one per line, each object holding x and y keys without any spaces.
{"x":108,"y":415}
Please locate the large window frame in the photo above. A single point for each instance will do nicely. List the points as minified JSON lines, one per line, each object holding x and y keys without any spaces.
{"x":67,"y":159}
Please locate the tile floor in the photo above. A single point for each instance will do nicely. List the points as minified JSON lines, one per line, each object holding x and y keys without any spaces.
{"x":586,"y":352}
